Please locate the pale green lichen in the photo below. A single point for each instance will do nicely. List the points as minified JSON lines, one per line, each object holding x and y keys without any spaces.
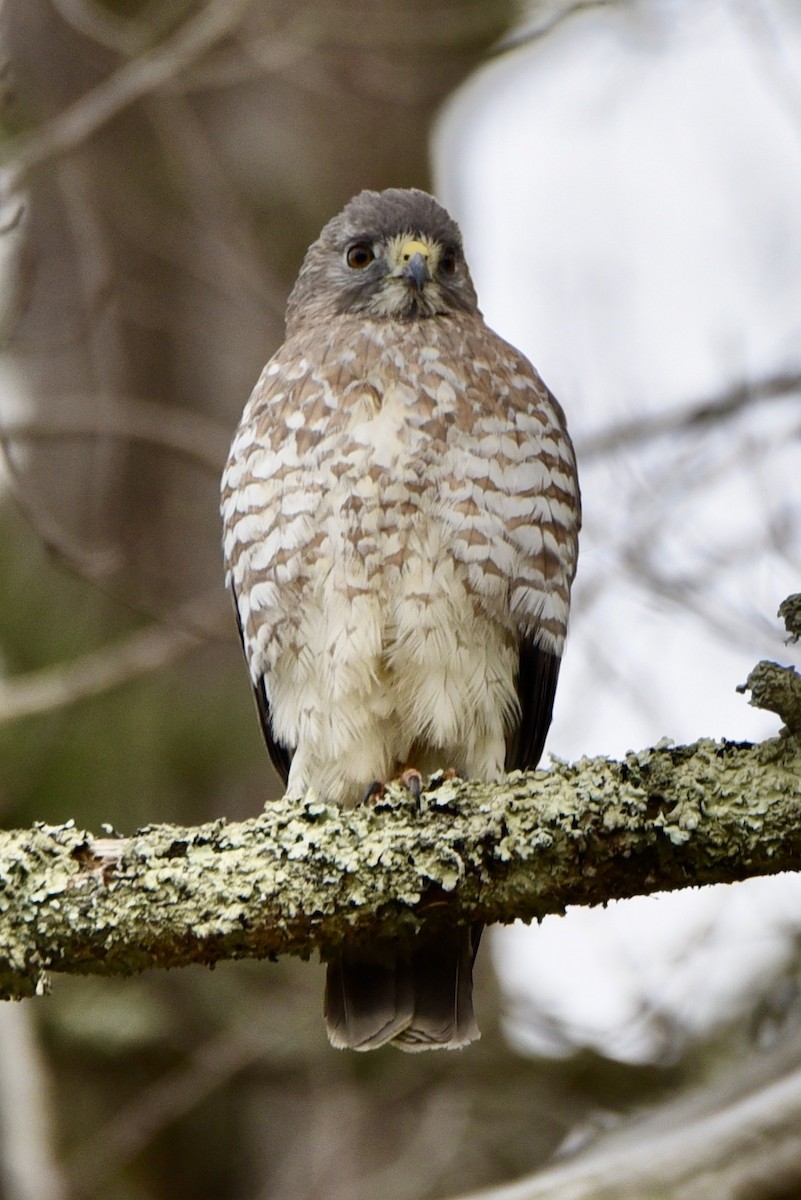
{"x":303,"y":876}
{"x":776,"y":689}
{"x":790,"y":613}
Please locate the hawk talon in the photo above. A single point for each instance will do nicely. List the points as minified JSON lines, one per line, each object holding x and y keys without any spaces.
{"x":374,"y":791}
{"x":412,"y":780}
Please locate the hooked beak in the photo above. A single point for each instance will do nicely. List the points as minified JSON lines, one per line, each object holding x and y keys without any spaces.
{"x":414,"y":256}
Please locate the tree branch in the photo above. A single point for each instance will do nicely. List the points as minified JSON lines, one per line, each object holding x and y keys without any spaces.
{"x":131,"y":657}
{"x":154,"y":69}
{"x":702,"y":1146}
{"x":303,"y":876}
{"x":709,"y":411}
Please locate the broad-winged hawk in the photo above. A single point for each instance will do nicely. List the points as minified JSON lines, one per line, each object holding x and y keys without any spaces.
{"x":401,"y":514}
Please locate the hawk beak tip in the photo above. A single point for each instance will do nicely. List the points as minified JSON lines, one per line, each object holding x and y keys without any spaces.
{"x":416,"y":272}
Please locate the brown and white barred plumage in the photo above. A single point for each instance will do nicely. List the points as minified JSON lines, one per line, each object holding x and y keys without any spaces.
{"x":401,"y":515}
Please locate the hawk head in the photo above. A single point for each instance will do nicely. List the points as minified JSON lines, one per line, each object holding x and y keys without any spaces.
{"x":394,"y":254}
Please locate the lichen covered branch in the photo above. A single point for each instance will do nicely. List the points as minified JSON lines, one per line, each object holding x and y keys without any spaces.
{"x":773,"y":687}
{"x":304,"y":876}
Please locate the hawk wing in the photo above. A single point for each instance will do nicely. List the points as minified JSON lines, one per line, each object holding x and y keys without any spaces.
{"x":546,"y":538}
{"x":538,"y":671}
{"x":280,"y":754}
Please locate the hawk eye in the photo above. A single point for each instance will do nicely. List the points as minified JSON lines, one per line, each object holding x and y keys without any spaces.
{"x":359,"y":256}
{"x":447,"y":263}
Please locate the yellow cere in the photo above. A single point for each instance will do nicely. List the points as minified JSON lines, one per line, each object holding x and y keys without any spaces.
{"x":401,"y":249}
{"x":409,"y":249}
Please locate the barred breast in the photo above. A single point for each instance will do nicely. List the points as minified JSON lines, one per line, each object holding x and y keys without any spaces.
{"x":397,"y":516}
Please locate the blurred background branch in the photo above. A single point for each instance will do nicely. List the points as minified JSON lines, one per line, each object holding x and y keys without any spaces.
{"x":149,"y":649}
{"x":149,"y":71}
{"x":702,"y":1146}
{"x":712,"y":410}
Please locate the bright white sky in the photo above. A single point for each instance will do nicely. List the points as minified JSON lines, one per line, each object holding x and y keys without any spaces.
{"x":629,"y":189}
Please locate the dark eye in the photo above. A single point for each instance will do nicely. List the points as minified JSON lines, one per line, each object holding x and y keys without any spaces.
{"x":359,"y":256}
{"x":447,"y":263}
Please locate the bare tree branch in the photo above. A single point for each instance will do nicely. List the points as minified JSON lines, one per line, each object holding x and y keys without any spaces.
{"x":131,"y":657}
{"x":126,"y":37}
{"x":144,"y":74}
{"x":125,"y":1133}
{"x":131,"y":418}
{"x":708,"y":411}
{"x":685,"y":1155}
{"x":544,"y":27}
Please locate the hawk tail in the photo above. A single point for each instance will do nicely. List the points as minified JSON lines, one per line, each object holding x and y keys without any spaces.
{"x":416,"y":998}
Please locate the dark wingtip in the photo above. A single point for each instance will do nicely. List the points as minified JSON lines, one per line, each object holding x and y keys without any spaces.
{"x":280,"y":755}
{"x":538,"y":672}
